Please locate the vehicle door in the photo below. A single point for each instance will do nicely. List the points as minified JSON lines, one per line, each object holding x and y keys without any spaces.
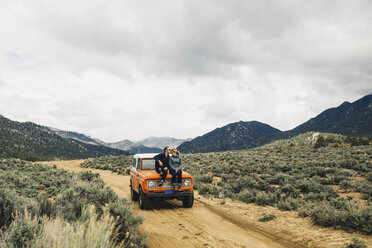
{"x":134,"y":174}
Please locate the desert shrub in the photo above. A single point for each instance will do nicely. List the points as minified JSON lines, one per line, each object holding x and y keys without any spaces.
{"x":202,"y":178}
{"x":339,"y":203}
{"x":363,"y":186}
{"x":242,"y":183}
{"x":355,"y":243}
{"x":321,"y":142}
{"x":120,"y":164}
{"x":227,"y":177}
{"x":289,"y":190}
{"x":265,"y":199}
{"x":88,"y":176}
{"x":204,"y":189}
{"x":358,"y":219}
{"x":207,"y":189}
{"x":126,"y":224}
{"x":23,"y":231}
{"x":45,"y":207}
{"x":345,"y":184}
{"x":247,"y":196}
{"x":369,"y":176}
{"x":7,"y":208}
{"x":350,"y":217}
{"x":267,"y":217}
{"x":71,"y":202}
{"x":357,"y":141}
{"x":278,"y":178}
{"x":289,"y":204}
{"x":325,"y":215}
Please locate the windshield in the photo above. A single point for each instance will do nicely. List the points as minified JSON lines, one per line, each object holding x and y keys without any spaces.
{"x":148,"y":164}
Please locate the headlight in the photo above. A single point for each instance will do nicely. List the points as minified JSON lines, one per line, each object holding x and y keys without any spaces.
{"x":187,"y":182}
{"x":150,"y":184}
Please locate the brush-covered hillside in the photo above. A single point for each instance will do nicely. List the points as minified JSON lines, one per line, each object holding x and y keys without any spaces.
{"x":32,"y":142}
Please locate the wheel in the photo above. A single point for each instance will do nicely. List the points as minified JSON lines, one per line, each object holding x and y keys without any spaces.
{"x":133,"y":194}
{"x":143,"y":202}
{"x":188,"y":201}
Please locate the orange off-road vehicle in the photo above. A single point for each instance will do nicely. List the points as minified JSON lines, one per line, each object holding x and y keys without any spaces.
{"x":144,"y":183}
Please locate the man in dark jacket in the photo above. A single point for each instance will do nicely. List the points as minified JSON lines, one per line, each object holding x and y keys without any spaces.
{"x":162,"y":164}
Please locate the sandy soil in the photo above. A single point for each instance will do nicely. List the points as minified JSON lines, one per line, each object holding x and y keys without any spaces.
{"x":217,"y":223}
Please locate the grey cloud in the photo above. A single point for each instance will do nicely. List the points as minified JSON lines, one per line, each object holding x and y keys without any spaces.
{"x":274,"y":61}
{"x":191,"y":39}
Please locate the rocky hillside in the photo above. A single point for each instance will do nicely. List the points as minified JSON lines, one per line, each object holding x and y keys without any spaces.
{"x":30,"y":141}
{"x":235,"y":136}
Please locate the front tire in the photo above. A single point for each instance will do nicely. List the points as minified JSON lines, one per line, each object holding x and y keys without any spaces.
{"x":133,"y":194}
{"x":188,"y":201}
{"x":143,"y":202}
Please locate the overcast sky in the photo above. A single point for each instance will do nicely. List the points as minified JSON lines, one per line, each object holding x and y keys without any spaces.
{"x":122,"y":69}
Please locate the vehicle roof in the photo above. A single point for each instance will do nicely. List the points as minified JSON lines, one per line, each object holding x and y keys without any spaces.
{"x":145,"y":155}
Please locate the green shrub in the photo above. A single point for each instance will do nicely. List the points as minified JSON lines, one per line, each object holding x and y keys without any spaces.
{"x":369,"y":176}
{"x":267,"y":217}
{"x":24,"y":231}
{"x":88,"y":176}
{"x":7,"y":208}
{"x":265,"y":199}
{"x":205,"y":189}
{"x":355,"y":243}
{"x":288,"y":205}
{"x":247,"y":196}
{"x":325,"y":215}
{"x":45,"y":206}
{"x":126,"y":224}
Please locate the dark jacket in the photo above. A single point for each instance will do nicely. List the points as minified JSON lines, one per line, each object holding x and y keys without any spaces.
{"x":164,"y":159}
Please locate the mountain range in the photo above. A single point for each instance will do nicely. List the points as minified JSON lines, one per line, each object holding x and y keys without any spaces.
{"x":354,"y":119}
{"x":34,"y":142}
{"x":134,"y":148}
{"x":148,"y":145}
{"x":161,"y":142}
{"x":78,"y":136}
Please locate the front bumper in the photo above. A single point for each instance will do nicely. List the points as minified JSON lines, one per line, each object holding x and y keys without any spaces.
{"x":170,"y":195}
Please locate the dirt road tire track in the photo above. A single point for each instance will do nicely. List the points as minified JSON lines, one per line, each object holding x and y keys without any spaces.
{"x":168,"y":224}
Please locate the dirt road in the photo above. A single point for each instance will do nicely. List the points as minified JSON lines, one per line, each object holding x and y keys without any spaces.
{"x":212,"y":224}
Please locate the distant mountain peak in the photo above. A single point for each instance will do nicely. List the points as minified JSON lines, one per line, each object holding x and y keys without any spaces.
{"x":161,"y":142}
{"x":234,"y":136}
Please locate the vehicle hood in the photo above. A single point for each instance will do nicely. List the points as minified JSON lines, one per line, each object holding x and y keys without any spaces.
{"x":154,"y":174}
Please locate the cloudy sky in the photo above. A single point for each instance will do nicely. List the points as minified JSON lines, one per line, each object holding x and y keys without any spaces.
{"x":122,"y":69}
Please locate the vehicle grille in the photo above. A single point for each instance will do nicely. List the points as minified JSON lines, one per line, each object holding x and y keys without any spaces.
{"x":167,"y":183}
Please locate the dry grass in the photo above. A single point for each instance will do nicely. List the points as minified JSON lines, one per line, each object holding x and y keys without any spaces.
{"x":91,"y":232}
